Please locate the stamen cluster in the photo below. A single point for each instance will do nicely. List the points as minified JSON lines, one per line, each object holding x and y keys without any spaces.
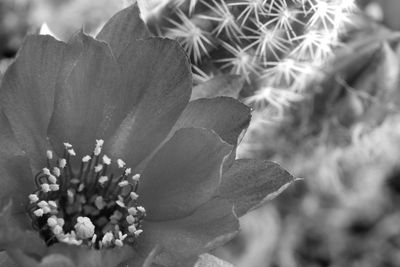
{"x":86,"y":206}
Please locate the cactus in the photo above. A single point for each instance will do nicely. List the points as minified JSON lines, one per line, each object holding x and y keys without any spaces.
{"x":275,"y":45}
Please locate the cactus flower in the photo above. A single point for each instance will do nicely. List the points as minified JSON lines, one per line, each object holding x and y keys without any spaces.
{"x":105,"y":159}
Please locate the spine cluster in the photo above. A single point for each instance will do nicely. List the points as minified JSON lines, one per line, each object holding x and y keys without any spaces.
{"x":275,"y":45}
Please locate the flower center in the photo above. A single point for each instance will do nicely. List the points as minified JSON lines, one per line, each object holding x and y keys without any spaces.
{"x":88,"y":206}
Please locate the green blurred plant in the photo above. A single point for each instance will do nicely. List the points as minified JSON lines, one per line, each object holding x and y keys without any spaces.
{"x":13,"y":26}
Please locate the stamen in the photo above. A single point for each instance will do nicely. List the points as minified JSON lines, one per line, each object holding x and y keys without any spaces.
{"x":38,"y":212}
{"x":134,"y":196}
{"x":98,"y":168}
{"x":106,"y":160}
{"x":63,"y":163}
{"x":138,"y":232}
{"x":130,"y":219}
{"x":56,"y":172}
{"x":99,"y":145}
{"x":52,"y":179}
{"x":86,"y":158}
{"x":67,"y":145}
{"x":87,"y":207}
{"x":46,"y":171}
{"x":141,"y":209}
{"x":71,"y":152}
{"x":54,"y":187}
{"x":45,"y":188}
{"x":103,"y":180}
{"x":132,"y":229}
{"x":33,"y":198}
{"x":121,"y":163}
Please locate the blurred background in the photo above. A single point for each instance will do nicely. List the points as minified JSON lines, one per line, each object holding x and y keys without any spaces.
{"x":326,"y":107}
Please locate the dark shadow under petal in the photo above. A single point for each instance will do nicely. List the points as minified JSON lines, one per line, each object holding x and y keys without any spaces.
{"x":183,"y":174}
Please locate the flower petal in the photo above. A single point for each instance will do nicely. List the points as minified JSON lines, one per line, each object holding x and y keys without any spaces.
{"x":27,"y":92}
{"x":86,"y":257}
{"x":73,"y":256}
{"x":86,"y":101}
{"x":13,"y":237}
{"x":183,"y":240}
{"x":158,"y":89}
{"x":226,"y":116}
{"x":16,"y":180}
{"x":122,"y":29}
{"x":135,"y":104}
{"x":5,"y":260}
{"x":208,"y":260}
{"x":183,"y":174}
{"x":249,"y":181}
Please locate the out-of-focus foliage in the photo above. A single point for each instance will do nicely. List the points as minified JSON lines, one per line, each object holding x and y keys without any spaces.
{"x":344,"y":141}
{"x":13,"y":25}
{"x":64,"y":17}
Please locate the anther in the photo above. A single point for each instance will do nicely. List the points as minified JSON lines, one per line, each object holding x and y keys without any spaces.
{"x":46,"y":171}
{"x":33,"y":198}
{"x":54,"y":187}
{"x":130,"y":219}
{"x":45,"y":188}
{"x":71,"y":152}
{"x":62,"y":163}
{"x":141,"y":209}
{"x":136,"y":178}
{"x":106,"y":160}
{"x":107,"y":239}
{"x":121,"y":163}
{"x":67,"y":145}
{"x":123,"y":183}
{"x":134,"y":196}
{"x":52,"y":179}
{"x":56,"y":171}
{"x":103,"y":179}
{"x":99,"y":145}
{"x":52,"y":221}
{"x":98,"y":168}
{"x":132,"y":229}
{"x":128,"y":171}
{"x":38,"y":212}
{"x":138,"y":232}
{"x":86,"y":158}
{"x":49,"y":154}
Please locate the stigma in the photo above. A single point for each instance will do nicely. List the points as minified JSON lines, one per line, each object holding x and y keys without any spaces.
{"x":86,"y":206}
